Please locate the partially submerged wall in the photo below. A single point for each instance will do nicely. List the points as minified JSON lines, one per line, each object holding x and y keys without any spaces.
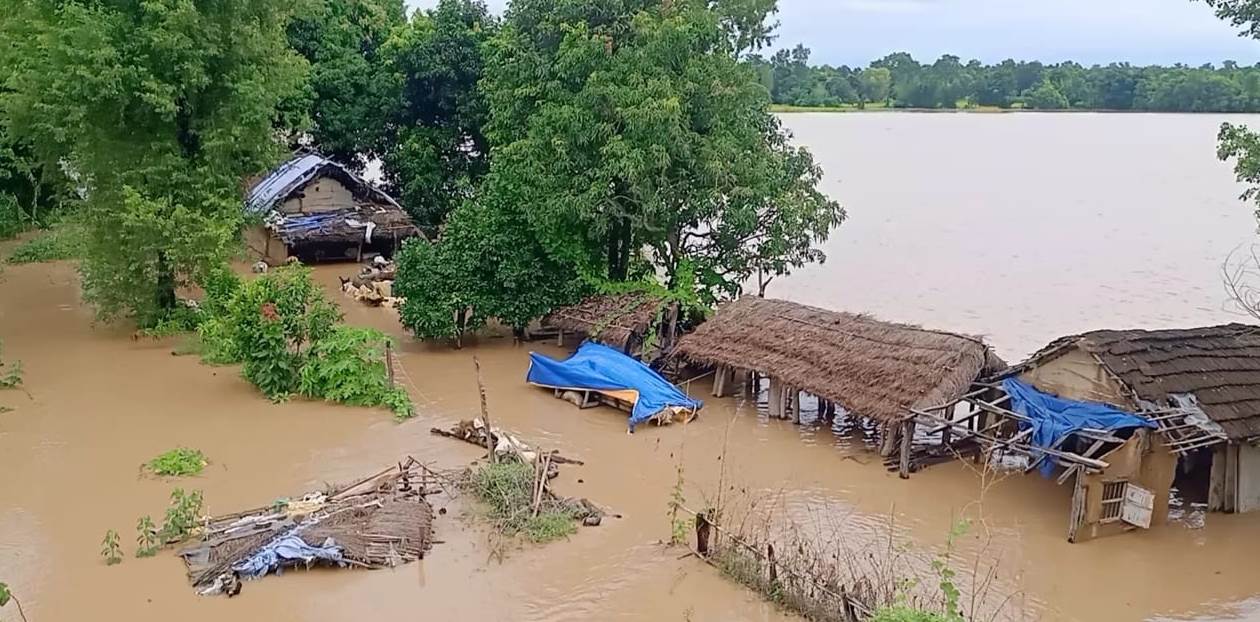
{"x":1077,"y":375}
{"x":263,"y":244}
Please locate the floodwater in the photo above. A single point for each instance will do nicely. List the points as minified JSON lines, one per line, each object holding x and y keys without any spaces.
{"x":954,"y":223}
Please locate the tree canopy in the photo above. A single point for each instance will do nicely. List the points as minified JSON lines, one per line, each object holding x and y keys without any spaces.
{"x":951,"y":83}
{"x":160,"y":109}
{"x":628,"y":142}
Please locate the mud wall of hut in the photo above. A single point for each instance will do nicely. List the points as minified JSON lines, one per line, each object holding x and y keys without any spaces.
{"x":1144,"y":460}
{"x":263,"y":244}
{"x":1077,"y":375}
{"x":324,"y":194}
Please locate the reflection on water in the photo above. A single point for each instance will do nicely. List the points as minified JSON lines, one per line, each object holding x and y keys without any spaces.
{"x":1018,"y":227}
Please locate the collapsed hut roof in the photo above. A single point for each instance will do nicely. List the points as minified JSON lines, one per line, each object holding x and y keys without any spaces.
{"x":1219,"y":365}
{"x":608,"y":318}
{"x":291,"y":177}
{"x":871,"y":368}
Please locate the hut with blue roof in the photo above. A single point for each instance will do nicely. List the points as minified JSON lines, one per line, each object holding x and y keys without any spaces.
{"x":316,"y":209}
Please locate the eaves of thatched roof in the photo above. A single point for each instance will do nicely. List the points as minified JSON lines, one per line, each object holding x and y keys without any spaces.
{"x":1219,"y":365}
{"x":871,"y":368}
{"x":608,"y":318}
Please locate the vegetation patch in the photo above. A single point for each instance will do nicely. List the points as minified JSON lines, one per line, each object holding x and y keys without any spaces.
{"x":178,"y":462}
{"x":508,"y":491}
{"x":58,"y":243}
{"x":10,"y":372}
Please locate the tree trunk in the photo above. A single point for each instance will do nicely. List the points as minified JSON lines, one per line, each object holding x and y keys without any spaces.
{"x":165,"y":284}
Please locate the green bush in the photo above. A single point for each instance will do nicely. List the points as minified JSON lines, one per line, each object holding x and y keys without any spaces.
{"x":10,"y":217}
{"x":178,"y":462}
{"x":507,"y":489}
{"x":902,"y":613}
{"x":63,"y":241}
{"x":348,"y":366}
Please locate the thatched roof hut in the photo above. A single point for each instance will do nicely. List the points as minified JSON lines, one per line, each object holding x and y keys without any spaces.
{"x":871,"y":368}
{"x":616,"y":320}
{"x":1218,"y":365}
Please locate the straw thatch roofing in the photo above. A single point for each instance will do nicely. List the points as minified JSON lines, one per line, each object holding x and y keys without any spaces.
{"x":608,"y":318}
{"x":871,"y":368}
{"x":1219,"y":365}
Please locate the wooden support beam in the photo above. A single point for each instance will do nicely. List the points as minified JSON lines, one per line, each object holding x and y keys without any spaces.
{"x":907,"y":440}
{"x":1077,"y":515}
{"x":774,"y":401}
{"x":1070,"y":457}
{"x":796,"y":405}
{"x":721,"y":377}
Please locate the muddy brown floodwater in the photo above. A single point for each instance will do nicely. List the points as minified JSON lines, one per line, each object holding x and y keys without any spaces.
{"x":98,"y":404}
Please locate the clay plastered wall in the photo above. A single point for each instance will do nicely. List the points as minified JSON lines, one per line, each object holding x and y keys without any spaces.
{"x":324,"y":194}
{"x":1144,"y":460}
{"x":1076,"y":375}
{"x":264,"y":245}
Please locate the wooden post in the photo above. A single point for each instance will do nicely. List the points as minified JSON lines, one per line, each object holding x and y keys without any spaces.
{"x":796,"y":405}
{"x":774,"y":569}
{"x":775,"y":400}
{"x":560,"y":338}
{"x":721,"y":378}
{"x":889,"y":433}
{"x":907,"y":438}
{"x":389,"y":362}
{"x":703,"y":529}
{"x":485,"y":412}
{"x":1077,"y":516}
{"x":948,"y":432}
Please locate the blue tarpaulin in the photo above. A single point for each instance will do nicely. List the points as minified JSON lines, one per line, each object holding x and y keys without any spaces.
{"x":596,"y":367}
{"x":1054,"y":418}
{"x":289,"y":549}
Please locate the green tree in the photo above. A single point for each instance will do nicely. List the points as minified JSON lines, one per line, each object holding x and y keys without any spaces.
{"x":434,"y":147}
{"x":634,"y":140}
{"x":1045,"y":96}
{"x":349,"y":96}
{"x":876,"y":84}
{"x":1237,"y":142}
{"x":161,"y":109}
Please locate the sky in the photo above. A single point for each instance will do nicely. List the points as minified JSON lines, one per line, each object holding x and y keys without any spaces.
{"x":854,"y":32}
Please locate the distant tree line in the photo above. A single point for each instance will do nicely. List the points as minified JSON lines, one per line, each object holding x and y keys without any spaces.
{"x":898,"y":80}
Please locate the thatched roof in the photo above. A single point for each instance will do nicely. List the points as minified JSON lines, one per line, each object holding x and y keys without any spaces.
{"x":871,"y":368}
{"x":608,"y":318}
{"x":1219,"y":365}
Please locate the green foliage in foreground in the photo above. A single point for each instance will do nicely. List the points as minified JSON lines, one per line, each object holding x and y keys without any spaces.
{"x":148,"y":540}
{"x":110,"y":548}
{"x":56,"y":244}
{"x":10,"y":373}
{"x":178,"y":462}
{"x":907,"y":614}
{"x":349,"y":367}
{"x":507,"y":489}
{"x":5,"y":595}
{"x":182,"y":515}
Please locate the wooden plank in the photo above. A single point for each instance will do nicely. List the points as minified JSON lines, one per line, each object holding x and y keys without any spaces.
{"x":1076,"y":517}
{"x":907,"y":439}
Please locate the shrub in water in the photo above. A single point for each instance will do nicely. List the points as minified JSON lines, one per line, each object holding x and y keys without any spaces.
{"x":348,"y":366}
{"x":178,"y":462}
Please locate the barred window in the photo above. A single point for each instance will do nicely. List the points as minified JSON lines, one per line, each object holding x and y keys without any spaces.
{"x":1113,"y":500}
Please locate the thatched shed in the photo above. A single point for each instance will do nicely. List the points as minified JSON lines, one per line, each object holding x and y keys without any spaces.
{"x":871,"y":368}
{"x":620,"y":321}
{"x":314,"y":208}
{"x":1214,"y":371}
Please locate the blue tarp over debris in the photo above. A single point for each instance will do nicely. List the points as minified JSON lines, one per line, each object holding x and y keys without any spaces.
{"x":1053,"y":417}
{"x":287,"y":550}
{"x":597,"y":367}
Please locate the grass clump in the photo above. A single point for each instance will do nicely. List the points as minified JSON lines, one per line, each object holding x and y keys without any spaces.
{"x":10,"y":373}
{"x":178,"y":462}
{"x":902,"y":613}
{"x":507,"y":489}
{"x":55,"y":244}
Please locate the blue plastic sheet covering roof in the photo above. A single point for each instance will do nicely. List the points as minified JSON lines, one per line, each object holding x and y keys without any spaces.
{"x":1054,"y":418}
{"x":284,"y":179}
{"x":597,"y":367}
{"x":287,"y":550}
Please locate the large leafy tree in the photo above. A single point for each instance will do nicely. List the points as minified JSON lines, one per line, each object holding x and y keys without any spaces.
{"x":433,"y":144}
{"x":1237,"y":142}
{"x":633,"y":127}
{"x":349,"y":95}
{"x":161,"y":109}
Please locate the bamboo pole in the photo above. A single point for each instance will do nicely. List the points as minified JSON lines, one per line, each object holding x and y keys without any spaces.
{"x":485,"y":412}
{"x":907,"y":438}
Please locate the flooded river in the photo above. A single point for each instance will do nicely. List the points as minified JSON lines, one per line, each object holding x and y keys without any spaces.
{"x":1021,"y":228}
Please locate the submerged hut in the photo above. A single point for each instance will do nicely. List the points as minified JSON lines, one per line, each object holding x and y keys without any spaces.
{"x":622,"y":321}
{"x":316,"y":209}
{"x":1201,"y":386}
{"x":877,"y":370}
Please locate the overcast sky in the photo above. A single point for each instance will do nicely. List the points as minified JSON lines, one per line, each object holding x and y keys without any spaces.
{"x":855,"y":32}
